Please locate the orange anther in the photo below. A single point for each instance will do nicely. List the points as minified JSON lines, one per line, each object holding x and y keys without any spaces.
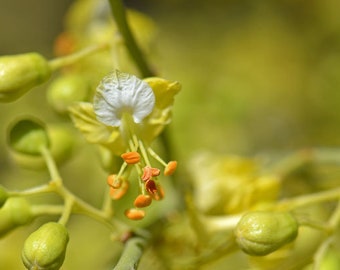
{"x":156,"y":191}
{"x":149,"y":172}
{"x":159,"y":194}
{"x":150,"y":186}
{"x":131,"y":157}
{"x":142,"y":201}
{"x":170,"y":168}
{"x":134,"y":214}
{"x":116,"y":194}
{"x":113,"y":181}
{"x":155,"y":171}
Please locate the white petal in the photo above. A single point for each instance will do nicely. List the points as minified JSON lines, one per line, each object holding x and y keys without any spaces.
{"x":120,"y":93}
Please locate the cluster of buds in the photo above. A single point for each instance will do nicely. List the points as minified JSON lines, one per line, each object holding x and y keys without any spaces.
{"x":149,"y":186}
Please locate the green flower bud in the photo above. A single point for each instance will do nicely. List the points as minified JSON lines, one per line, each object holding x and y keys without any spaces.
{"x":28,"y":136}
{"x":260,"y":233}
{"x":45,"y":248}
{"x":67,"y":89}
{"x":3,"y":196}
{"x":15,"y":212}
{"x":61,"y":145}
{"x":20,"y":73}
{"x":62,"y":142}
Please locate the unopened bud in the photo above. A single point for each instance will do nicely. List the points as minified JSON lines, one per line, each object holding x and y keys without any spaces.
{"x":260,"y":233}
{"x":66,"y":90}
{"x":20,"y":73}
{"x":14,"y":213}
{"x":28,"y":136}
{"x":45,"y":248}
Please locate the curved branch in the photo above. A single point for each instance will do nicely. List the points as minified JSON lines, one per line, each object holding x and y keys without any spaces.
{"x":119,"y":15}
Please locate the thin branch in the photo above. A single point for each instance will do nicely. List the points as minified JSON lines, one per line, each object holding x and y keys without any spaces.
{"x":73,"y":58}
{"x":119,"y":15}
{"x":133,"y":251}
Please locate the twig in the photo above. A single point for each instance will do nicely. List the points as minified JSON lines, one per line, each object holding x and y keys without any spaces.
{"x":119,"y":14}
{"x":133,"y":251}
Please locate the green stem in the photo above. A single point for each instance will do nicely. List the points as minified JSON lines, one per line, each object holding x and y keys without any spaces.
{"x":77,"y":205}
{"x":222,"y":222}
{"x":68,"y":207}
{"x":73,"y":58}
{"x":107,"y":207}
{"x":72,"y":203}
{"x":335,"y":218}
{"x":33,"y":191}
{"x":133,"y":251}
{"x":321,"y":252}
{"x":119,"y":15}
{"x":291,"y":204}
{"x":52,"y":167}
{"x":47,"y":209}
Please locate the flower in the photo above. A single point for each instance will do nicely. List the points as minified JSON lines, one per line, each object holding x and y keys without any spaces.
{"x":120,"y":93}
{"x":85,"y":119}
{"x":126,"y":116}
{"x":231,"y":184}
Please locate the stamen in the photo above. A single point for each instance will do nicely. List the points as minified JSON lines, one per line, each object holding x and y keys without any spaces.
{"x":150,"y":186}
{"x":116,"y":194}
{"x":155,"y":191}
{"x":170,"y":168}
{"x":142,"y":201}
{"x":156,"y":157}
{"x":131,"y":157}
{"x":134,"y":214}
{"x":144,"y":153}
{"x":113,"y":181}
{"x":149,"y":172}
{"x":121,"y":170}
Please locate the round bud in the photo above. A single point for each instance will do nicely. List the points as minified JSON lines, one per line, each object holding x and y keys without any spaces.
{"x":45,"y":248}
{"x":15,"y":212}
{"x":20,"y":73}
{"x":3,"y":195}
{"x":260,"y":233}
{"x":61,"y":143}
{"x":28,"y":136}
{"x":67,"y":89}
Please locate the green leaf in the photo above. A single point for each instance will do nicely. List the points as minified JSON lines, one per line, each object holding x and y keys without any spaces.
{"x":28,"y":136}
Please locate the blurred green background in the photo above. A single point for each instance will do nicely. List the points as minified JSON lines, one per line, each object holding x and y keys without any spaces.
{"x":256,"y":75}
